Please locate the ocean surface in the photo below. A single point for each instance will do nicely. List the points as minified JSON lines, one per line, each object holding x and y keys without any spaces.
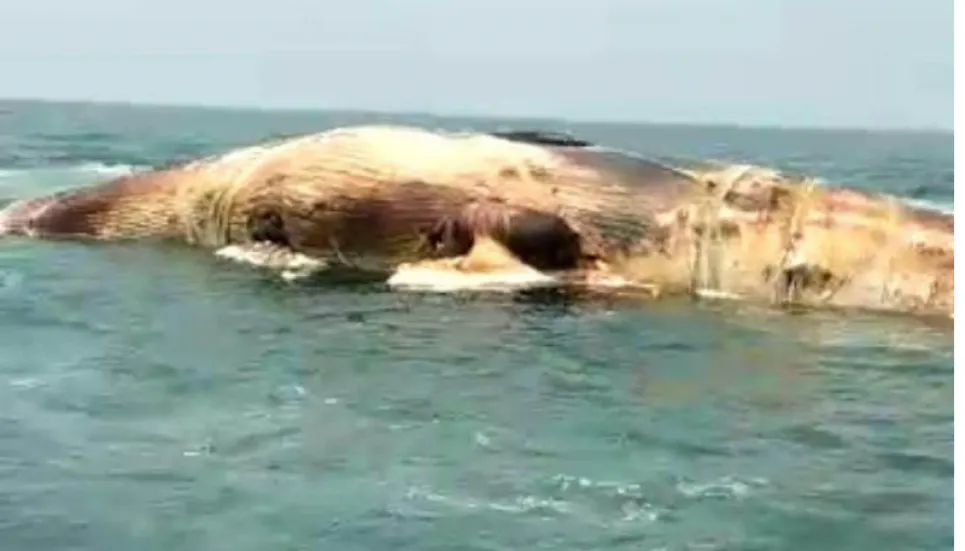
{"x":159,"y":398}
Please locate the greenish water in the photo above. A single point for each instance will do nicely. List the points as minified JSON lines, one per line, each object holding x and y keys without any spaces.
{"x":160,"y":398}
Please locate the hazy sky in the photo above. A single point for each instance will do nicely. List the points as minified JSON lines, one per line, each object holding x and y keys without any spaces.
{"x":795,"y":62}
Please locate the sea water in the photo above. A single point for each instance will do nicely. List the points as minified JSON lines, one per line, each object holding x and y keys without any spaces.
{"x":158,"y":397}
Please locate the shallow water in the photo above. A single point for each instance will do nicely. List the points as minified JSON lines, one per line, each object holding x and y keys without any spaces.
{"x":161,"y":398}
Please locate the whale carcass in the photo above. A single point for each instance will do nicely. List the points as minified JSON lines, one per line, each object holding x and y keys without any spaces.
{"x":381,"y":198}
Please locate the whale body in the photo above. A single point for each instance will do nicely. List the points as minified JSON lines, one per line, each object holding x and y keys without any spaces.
{"x":391,"y":198}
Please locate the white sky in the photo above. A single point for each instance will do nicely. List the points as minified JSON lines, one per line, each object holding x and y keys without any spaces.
{"x":871,"y":63}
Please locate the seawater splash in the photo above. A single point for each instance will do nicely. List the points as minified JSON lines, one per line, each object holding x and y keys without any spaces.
{"x":291,"y":265}
{"x":727,"y":487}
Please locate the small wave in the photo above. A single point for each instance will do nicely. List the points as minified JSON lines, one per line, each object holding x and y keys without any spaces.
{"x":26,"y":382}
{"x":943,"y":207}
{"x":94,"y":167}
{"x":22,"y":182}
{"x":726,"y":487}
{"x":117,"y":169}
{"x":518,"y":505}
{"x":940,"y":206}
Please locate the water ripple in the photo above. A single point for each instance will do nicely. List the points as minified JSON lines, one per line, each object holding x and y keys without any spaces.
{"x":155,"y":398}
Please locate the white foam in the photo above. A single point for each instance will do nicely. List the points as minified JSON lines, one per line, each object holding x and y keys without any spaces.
{"x":443,"y":280}
{"x":98,"y":168}
{"x":292,"y":265}
{"x":267,"y":255}
{"x":104,"y":169}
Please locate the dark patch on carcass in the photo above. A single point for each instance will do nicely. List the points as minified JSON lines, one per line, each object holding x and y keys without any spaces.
{"x":792,"y":282}
{"x":757,"y":200}
{"x":725,"y":229}
{"x":449,"y":237}
{"x":541,"y":137}
{"x":85,"y":212}
{"x":542,"y":240}
{"x":268,"y":226}
{"x":71,"y":212}
{"x":378,"y":224}
{"x":421,"y":220}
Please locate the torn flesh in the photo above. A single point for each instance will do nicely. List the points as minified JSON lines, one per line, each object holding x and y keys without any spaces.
{"x":490,"y":266}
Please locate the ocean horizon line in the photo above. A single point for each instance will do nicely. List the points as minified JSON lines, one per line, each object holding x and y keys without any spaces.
{"x":557,"y":119}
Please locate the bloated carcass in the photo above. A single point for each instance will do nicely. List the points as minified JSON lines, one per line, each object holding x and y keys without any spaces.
{"x":390,"y":198}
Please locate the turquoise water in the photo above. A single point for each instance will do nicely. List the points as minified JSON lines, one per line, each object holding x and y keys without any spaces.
{"x":159,"y":398}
